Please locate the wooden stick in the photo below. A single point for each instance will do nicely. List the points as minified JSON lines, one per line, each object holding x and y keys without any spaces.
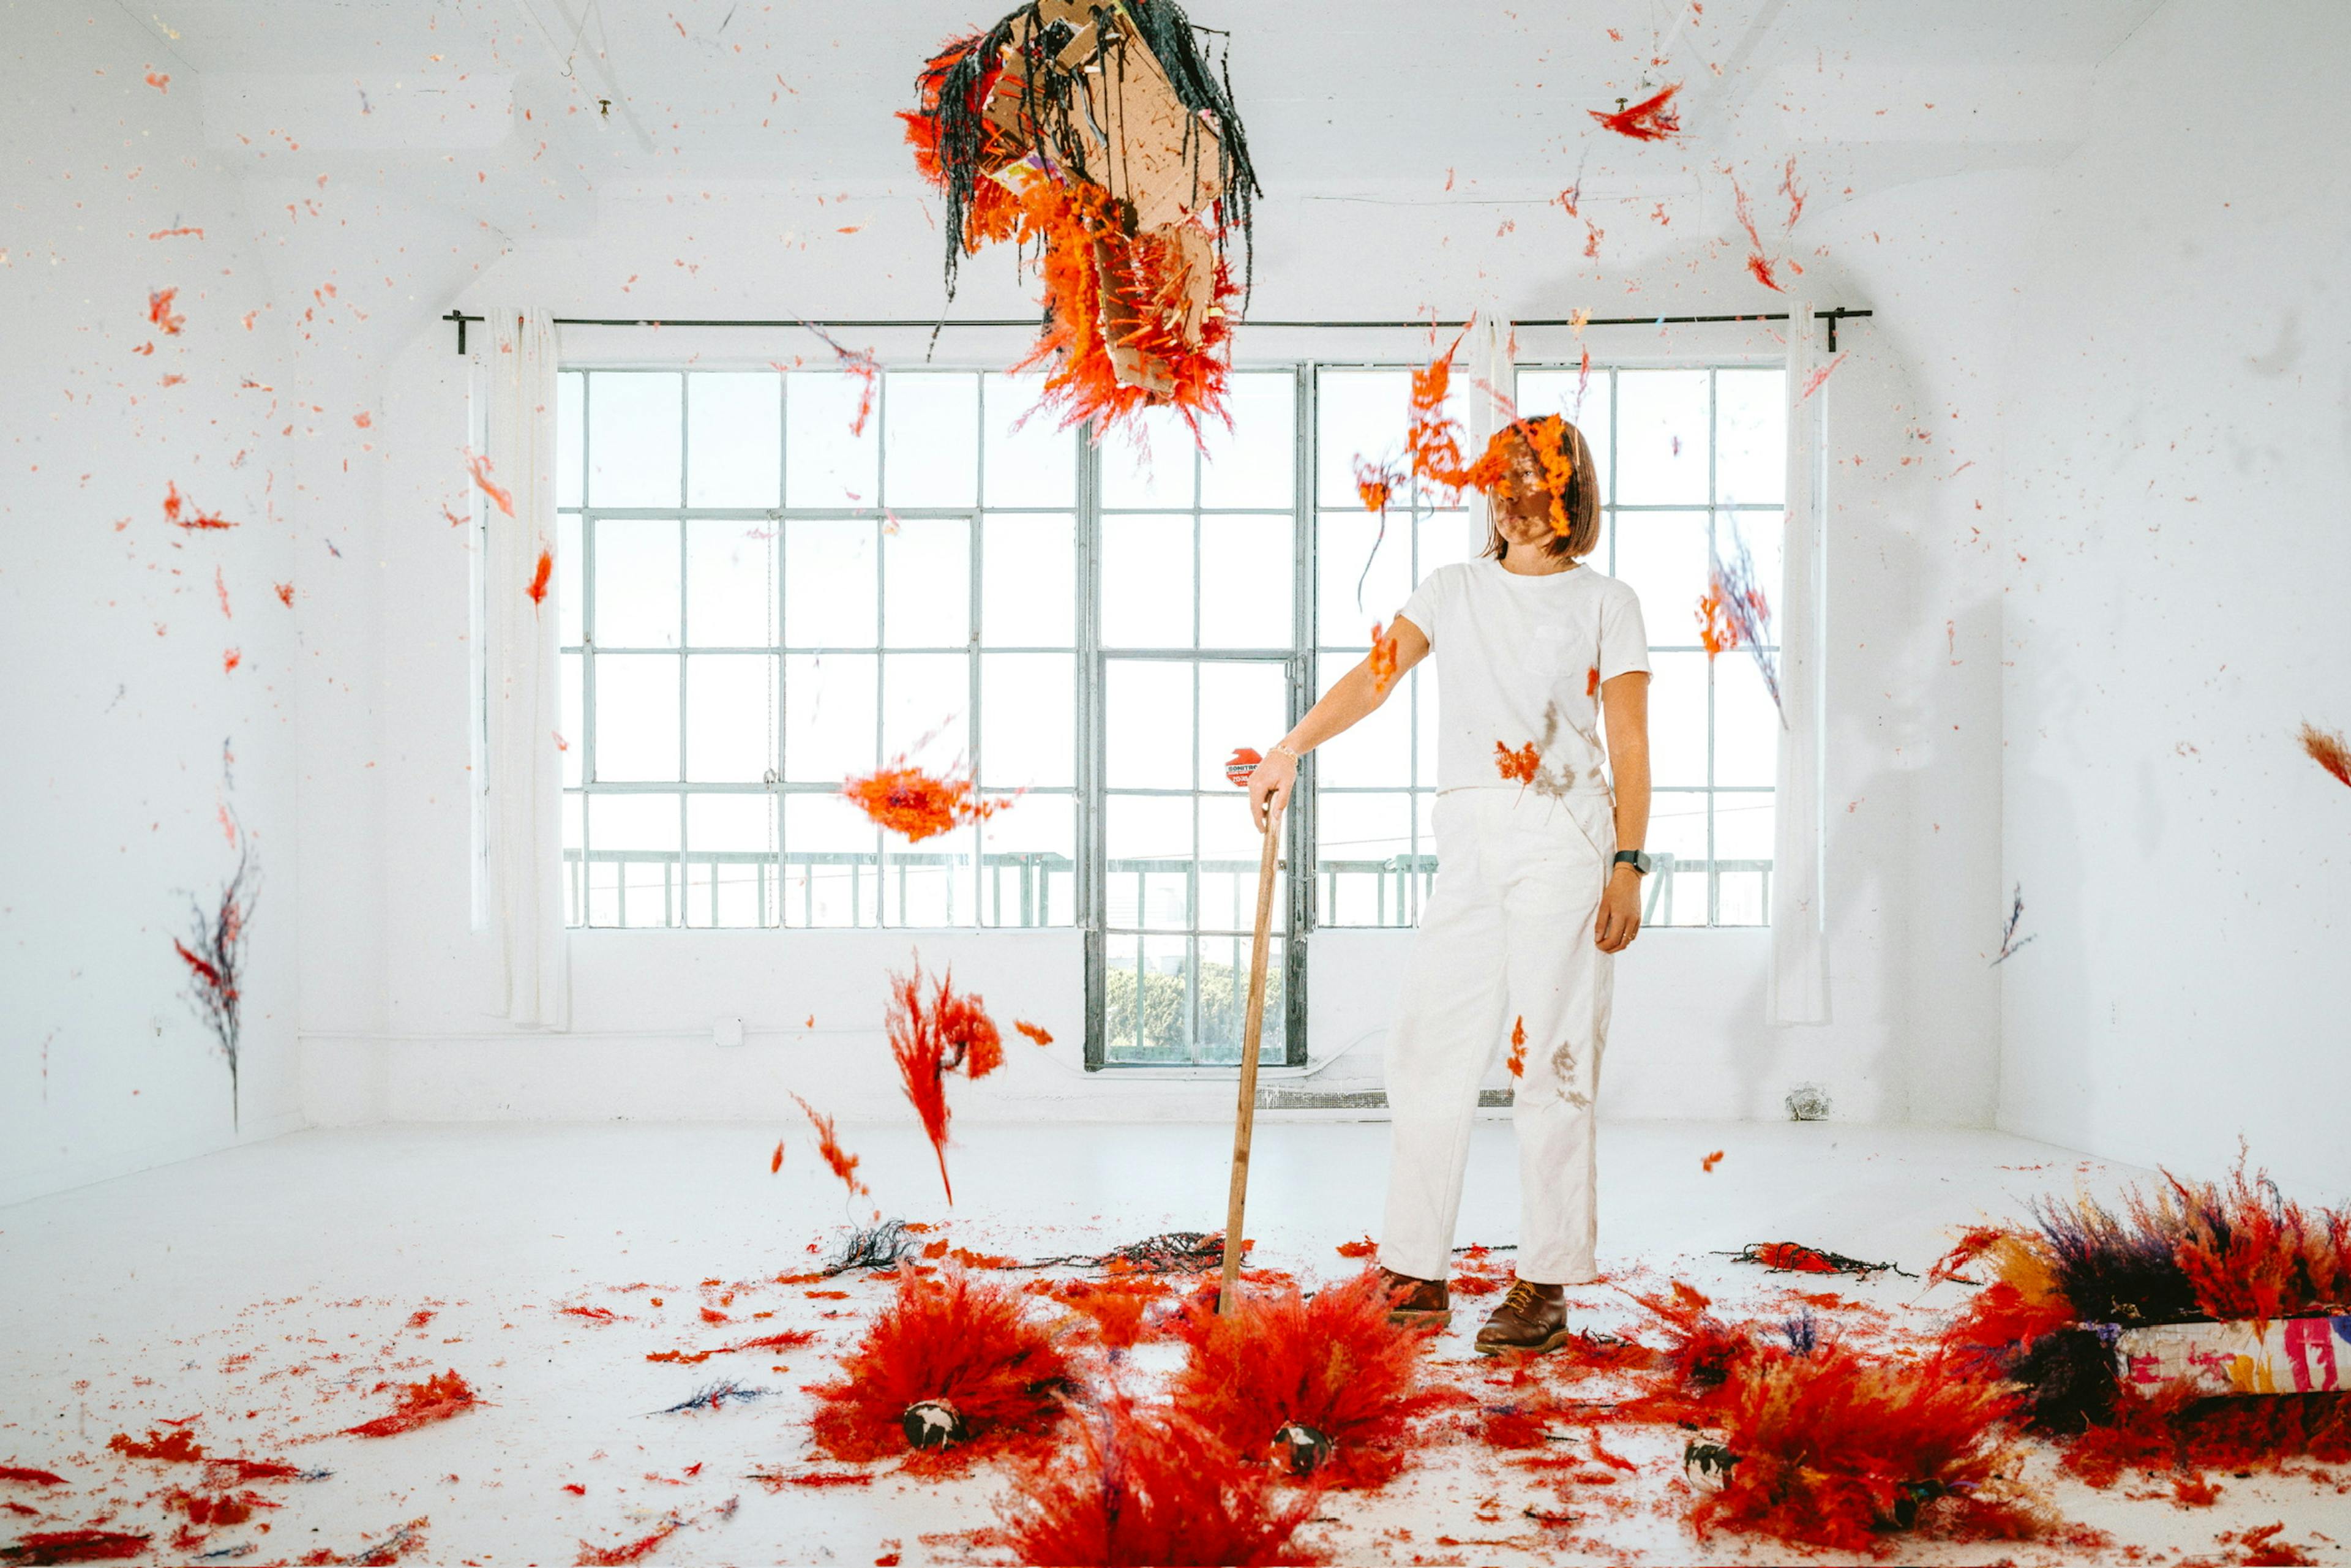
{"x":1245,"y":1118}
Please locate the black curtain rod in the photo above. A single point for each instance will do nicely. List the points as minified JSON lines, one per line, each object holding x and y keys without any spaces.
{"x":1833,"y":315}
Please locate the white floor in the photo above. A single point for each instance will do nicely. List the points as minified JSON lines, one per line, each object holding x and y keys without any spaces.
{"x":266,"y":1291}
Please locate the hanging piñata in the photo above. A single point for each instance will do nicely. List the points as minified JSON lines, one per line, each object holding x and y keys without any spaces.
{"x":1098,"y":134}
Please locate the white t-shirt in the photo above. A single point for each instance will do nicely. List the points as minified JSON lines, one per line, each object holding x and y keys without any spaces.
{"x":1520,"y":660}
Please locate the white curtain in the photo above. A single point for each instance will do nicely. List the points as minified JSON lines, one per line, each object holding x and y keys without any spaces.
{"x":1800,"y":954}
{"x":524,"y":811}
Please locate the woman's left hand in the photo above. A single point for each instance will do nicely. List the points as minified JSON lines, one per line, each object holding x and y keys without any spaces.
{"x":1620,"y":911}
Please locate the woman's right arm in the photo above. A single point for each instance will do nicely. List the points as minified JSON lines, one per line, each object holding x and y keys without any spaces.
{"x":1351,"y":699}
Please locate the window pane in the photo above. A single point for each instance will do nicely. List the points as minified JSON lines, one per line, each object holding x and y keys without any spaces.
{"x":1350,"y":543}
{"x":832,"y":867}
{"x":1028,"y":870}
{"x":1248,"y":566}
{"x":1361,"y":843}
{"x":932,"y":884}
{"x":1028,"y":580}
{"x":1746,"y":723}
{"x":1150,"y":854}
{"x":927,"y":709}
{"x":829,"y":717}
{"x":926,"y":584}
{"x":1661,"y":442}
{"x":632,"y":436}
{"x":828,"y":466}
{"x":1445,"y":538}
{"x":1146,"y":581}
{"x":1250,"y":464}
{"x":1150,"y":464}
{"x":636,"y":822}
{"x":1751,"y":436}
{"x":1148,"y":725}
{"x":1231,"y":851}
{"x":1360,"y":414}
{"x":829,"y":582}
{"x":730,"y":583}
{"x":730,"y":713}
{"x":1027,"y":726}
{"x":1677,"y":829}
{"x":1678,"y":719}
{"x":1224,"y":972}
{"x":636,"y":717}
{"x":636,"y":582}
{"x":734,"y":438}
{"x":1662,"y":555}
{"x":570,"y":564}
{"x":571,"y":437}
{"x":1378,"y":749}
{"x":1743,"y":826}
{"x":1240,"y":705}
{"x":930,"y":438}
{"x":730,"y":823}
{"x":1034,"y":464}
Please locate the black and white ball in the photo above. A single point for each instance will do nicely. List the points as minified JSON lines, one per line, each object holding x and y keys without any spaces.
{"x":1302,"y":1447}
{"x":933,"y":1424}
{"x":1707,"y":1461}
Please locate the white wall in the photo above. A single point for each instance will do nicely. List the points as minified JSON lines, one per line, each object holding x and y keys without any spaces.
{"x":2180,"y":451}
{"x":123,"y":730}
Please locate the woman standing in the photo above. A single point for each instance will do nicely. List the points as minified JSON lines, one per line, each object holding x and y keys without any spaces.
{"x":1537,"y":883}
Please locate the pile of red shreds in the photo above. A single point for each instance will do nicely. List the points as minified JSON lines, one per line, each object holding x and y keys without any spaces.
{"x":1836,"y":1449}
{"x":932,"y":1039}
{"x":418,"y":1405}
{"x":955,"y":1337}
{"x":1333,"y":1363}
{"x":1116,"y":1306}
{"x":1151,"y":1486}
{"x":905,"y":799}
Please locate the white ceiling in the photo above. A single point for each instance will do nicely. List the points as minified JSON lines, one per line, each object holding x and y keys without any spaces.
{"x":1373,"y":94}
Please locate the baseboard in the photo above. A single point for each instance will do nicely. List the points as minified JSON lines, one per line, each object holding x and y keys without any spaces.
{"x":21,"y":1182}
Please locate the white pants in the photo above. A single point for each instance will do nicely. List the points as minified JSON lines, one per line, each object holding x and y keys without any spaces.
{"x":1507,"y":936}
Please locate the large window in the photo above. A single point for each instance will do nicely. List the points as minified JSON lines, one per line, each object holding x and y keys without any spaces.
{"x":767,"y":589}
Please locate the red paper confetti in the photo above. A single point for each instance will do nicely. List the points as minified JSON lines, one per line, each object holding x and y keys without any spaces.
{"x":2329,"y":750}
{"x":160,"y":81}
{"x":231,"y":658}
{"x":1376,"y":484}
{"x":479,"y":466}
{"x":159,"y":311}
{"x":538,"y":588}
{"x":1712,"y":1160}
{"x":906,"y":800}
{"x":844,"y":1163}
{"x":858,"y":363}
{"x":775,"y":1161}
{"x":285,"y":593}
{"x":1363,"y":1249}
{"x":77,"y":1546}
{"x":931,"y":1038}
{"x":1648,"y":120}
{"x":418,"y":1405}
{"x":1033,"y":1032}
{"x":174,"y":503}
{"x":1519,"y":767}
{"x":1518,"y":1062}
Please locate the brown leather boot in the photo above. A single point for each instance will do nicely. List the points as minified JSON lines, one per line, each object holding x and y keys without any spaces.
{"x":1532,"y":1317}
{"x":1425,"y":1303}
